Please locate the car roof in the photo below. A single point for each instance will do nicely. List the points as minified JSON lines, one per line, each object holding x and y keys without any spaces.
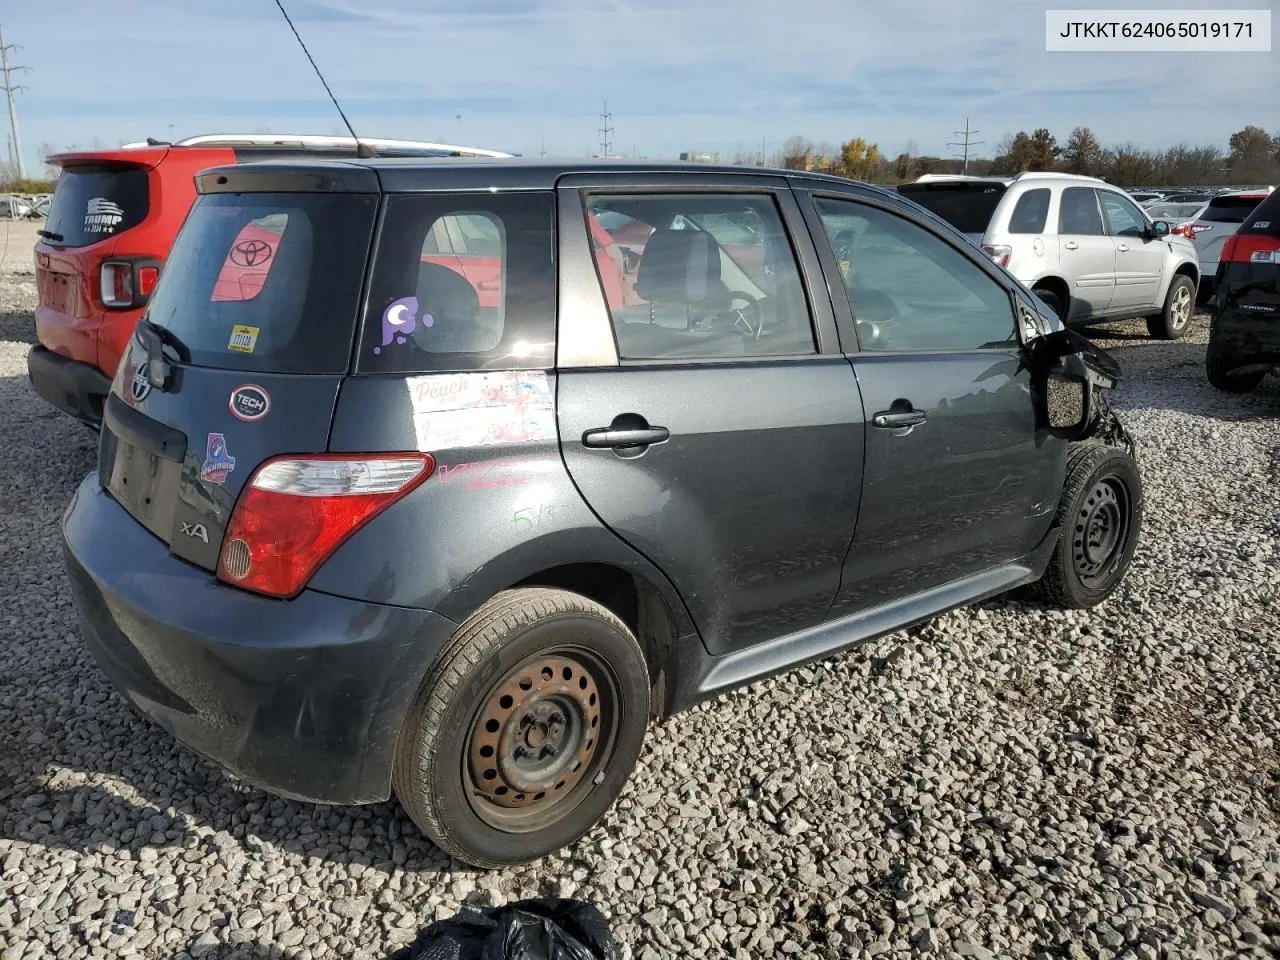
{"x":423,"y":174}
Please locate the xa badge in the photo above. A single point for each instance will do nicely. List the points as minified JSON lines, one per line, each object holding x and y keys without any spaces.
{"x":196,"y":530}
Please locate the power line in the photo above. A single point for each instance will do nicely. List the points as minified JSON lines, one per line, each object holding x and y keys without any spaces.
{"x":10,"y":88}
{"x":966,"y":143}
{"x":606,"y":144}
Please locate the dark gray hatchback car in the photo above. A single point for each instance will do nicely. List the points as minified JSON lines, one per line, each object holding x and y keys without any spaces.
{"x":444,"y":477}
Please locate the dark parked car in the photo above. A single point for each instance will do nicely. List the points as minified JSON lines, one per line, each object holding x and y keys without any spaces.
{"x":356,"y":530}
{"x":1244,"y":334}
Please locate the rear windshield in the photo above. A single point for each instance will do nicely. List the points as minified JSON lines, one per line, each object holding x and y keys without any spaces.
{"x":966,"y":206}
{"x":462,"y":282}
{"x":1229,"y":209}
{"x":267,"y":281}
{"x":1265,"y":218}
{"x":92,"y":203}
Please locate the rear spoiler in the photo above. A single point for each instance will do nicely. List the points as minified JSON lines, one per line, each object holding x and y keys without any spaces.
{"x":147,"y":157}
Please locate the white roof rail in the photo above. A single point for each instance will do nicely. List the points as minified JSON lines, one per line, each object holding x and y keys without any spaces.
{"x":938,"y":177}
{"x":311,"y":140}
{"x":1055,"y":175}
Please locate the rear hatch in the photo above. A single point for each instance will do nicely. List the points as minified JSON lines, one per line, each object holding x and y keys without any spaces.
{"x":968,"y":205}
{"x":1249,"y":272}
{"x":242,"y":349}
{"x":94,"y":202}
{"x":1220,"y":219}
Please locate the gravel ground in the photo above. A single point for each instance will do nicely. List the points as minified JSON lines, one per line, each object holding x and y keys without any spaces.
{"x":1006,"y":781}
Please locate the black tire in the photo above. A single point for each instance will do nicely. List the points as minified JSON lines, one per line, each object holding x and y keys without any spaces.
{"x":1174,"y":320}
{"x":1218,"y":366}
{"x":586,"y":700}
{"x":1052,"y":301}
{"x":1102,"y":502}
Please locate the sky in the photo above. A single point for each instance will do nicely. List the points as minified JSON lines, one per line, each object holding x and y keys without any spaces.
{"x":529,"y":76}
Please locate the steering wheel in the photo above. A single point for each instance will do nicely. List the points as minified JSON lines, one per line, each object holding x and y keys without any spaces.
{"x":746,"y":319}
{"x":875,"y":313}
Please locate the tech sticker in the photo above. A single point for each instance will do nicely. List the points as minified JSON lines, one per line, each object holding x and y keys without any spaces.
{"x":249,"y":402}
{"x":243,"y":338}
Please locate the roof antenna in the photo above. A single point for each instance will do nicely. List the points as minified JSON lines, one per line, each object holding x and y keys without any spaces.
{"x":361,"y":149}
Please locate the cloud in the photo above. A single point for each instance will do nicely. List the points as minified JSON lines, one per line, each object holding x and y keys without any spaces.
{"x":676,"y":75}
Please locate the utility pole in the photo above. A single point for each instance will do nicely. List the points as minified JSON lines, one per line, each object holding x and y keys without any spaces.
{"x":966,"y":143}
{"x":542,"y":147}
{"x":606,"y":144}
{"x":10,"y":88}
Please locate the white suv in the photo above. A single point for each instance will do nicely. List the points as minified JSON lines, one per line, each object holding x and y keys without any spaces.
{"x":1083,"y":246}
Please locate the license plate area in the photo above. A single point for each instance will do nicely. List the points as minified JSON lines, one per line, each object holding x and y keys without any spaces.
{"x":144,"y":484}
{"x":57,"y":290}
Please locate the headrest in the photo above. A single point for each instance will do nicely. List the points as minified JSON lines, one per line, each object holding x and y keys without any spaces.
{"x":679,"y":266}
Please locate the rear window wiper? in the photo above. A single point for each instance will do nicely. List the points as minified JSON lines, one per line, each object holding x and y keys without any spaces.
{"x":154,"y":338}
{"x":50,"y":235}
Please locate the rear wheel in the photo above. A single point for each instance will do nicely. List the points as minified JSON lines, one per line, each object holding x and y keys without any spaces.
{"x":1219,"y":367}
{"x":1179,"y":304}
{"x":526,"y":730}
{"x":1053,"y":301}
{"x":1100,"y":515}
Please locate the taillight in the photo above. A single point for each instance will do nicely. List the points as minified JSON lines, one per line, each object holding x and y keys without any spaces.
{"x":147,"y":277}
{"x":296,"y":511}
{"x":1000,"y":254}
{"x":117,"y":283}
{"x":1251,"y":248}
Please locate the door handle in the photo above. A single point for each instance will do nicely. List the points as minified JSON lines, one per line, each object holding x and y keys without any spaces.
{"x":1123,"y":248}
{"x":603,"y":437}
{"x":1071,"y":245}
{"x":892,"y":419}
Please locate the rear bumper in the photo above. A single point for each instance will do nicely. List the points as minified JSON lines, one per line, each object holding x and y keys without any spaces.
{"x":73,"y":387}
{"x":1246,"y":334}
{"x":304,"y":698}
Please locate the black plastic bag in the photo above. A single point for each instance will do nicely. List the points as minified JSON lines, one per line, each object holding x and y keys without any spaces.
{"x":544,"y":929}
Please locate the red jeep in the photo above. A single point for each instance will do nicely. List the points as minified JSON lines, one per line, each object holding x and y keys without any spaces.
{"x":114,"y":216}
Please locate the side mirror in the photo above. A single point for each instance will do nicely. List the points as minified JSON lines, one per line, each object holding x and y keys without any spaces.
{"x":1161,"y":228}
{"x":1068,"y":375}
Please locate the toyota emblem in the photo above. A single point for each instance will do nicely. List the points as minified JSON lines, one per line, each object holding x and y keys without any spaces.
{"x":140,"y":386}
{"x":251,"y":253}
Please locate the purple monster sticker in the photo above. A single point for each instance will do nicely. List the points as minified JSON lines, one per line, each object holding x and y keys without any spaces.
{"x":218,"y":463}
{"x":399,"y":320}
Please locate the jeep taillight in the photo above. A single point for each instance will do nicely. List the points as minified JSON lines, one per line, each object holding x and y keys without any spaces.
{"x":117,"y":283}
{"x":1251,"y":248}
{"x":296,"y":511}
{"x":128,"y":283}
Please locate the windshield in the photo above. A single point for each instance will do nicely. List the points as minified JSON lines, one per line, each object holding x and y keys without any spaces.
{"x":966,"y":206}
{"x":94,"y":202}
{"x":267,"y":281}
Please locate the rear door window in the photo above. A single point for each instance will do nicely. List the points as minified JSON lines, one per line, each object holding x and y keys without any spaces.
{"x":267,"y":281}
{"x":462,"y":282}
{"x":1229,"y":209}
{"x":1031,"y":212}
{"x":1265,"y":218}
{"x":1078,"y":214}
{"x":966,"y":206}
{"x":98,"y":201}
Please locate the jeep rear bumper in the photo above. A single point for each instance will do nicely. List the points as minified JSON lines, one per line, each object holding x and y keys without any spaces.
{"x":75,"y":388}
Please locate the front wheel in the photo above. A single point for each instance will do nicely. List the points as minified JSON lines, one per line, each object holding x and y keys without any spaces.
{"x":525,"y":731}
{"x":1179,"y":304}
{"x":1100,"y":515}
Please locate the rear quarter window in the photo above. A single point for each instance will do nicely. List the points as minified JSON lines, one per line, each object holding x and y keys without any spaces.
{"x":1031,"y":212}
{"x":95,"y":202}
{"x":462,"y":282}
{"x":268,"y":281}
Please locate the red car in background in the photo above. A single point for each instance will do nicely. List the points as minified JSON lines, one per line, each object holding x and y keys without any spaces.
{"x":112,"y":221}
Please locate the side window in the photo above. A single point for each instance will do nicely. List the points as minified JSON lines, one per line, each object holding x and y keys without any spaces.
{"x":462,"y":282}
{"x":1031,"y":212}
{"x":1123,"y":218}
{"x":1078,"y":214}
{"x":910,"y":290}
{"x":704,"y":276}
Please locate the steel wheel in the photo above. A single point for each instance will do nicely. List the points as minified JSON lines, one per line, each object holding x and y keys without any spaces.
{"x":1101,"y":531}
{"x":540,"y":737}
